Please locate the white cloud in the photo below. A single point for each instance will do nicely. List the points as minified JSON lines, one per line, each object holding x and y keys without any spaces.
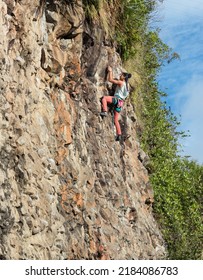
{"x":179,"y":9}
{"x":182,"y":29}
{"x":191,"y":97}
{"x":190,"y":100}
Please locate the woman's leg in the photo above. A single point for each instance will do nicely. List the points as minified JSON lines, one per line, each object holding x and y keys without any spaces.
{"x":105,"y":100}
{"x":117,"y":124}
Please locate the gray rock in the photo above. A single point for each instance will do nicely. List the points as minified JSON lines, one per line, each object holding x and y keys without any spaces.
{"x":68,"y":190}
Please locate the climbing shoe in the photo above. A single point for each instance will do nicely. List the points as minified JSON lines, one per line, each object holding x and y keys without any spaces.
{"x":103,"y":114}
{"x":118,"y":138}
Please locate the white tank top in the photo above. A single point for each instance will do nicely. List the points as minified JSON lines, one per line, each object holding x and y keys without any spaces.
{"x":121,"y":92}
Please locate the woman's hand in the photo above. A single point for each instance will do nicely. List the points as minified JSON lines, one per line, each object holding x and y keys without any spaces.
{"x":109,"y":69}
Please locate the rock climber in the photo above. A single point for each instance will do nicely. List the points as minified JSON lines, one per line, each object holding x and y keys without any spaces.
{"x":121,"y":92}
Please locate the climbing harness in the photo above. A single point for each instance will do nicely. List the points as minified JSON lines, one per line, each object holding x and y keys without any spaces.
{"x":118,"y":104}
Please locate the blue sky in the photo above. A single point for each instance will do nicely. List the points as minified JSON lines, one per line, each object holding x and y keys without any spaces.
{"x":181,"y":24}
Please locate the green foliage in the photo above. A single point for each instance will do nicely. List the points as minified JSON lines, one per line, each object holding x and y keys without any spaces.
{"x":131,"y":25}
{"x":178,"y":191}
{"x":92,"y":8}
{"x":91,"y":2}
{"x":177,"y":182}
{"x":155,"y":53}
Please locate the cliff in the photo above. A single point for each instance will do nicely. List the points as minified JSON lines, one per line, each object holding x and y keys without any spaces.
{"x":68,"y":190}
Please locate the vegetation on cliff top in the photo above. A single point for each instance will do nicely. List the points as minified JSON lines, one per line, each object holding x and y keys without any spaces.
{"x":177,"y":181}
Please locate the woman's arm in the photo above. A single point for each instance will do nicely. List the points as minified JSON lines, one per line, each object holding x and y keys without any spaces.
{"x":110,"y":78}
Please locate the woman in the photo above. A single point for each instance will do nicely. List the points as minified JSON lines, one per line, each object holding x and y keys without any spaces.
{"x":120,"y":95}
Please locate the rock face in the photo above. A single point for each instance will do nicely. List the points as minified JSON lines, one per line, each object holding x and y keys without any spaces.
{"x":67,"y":189}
